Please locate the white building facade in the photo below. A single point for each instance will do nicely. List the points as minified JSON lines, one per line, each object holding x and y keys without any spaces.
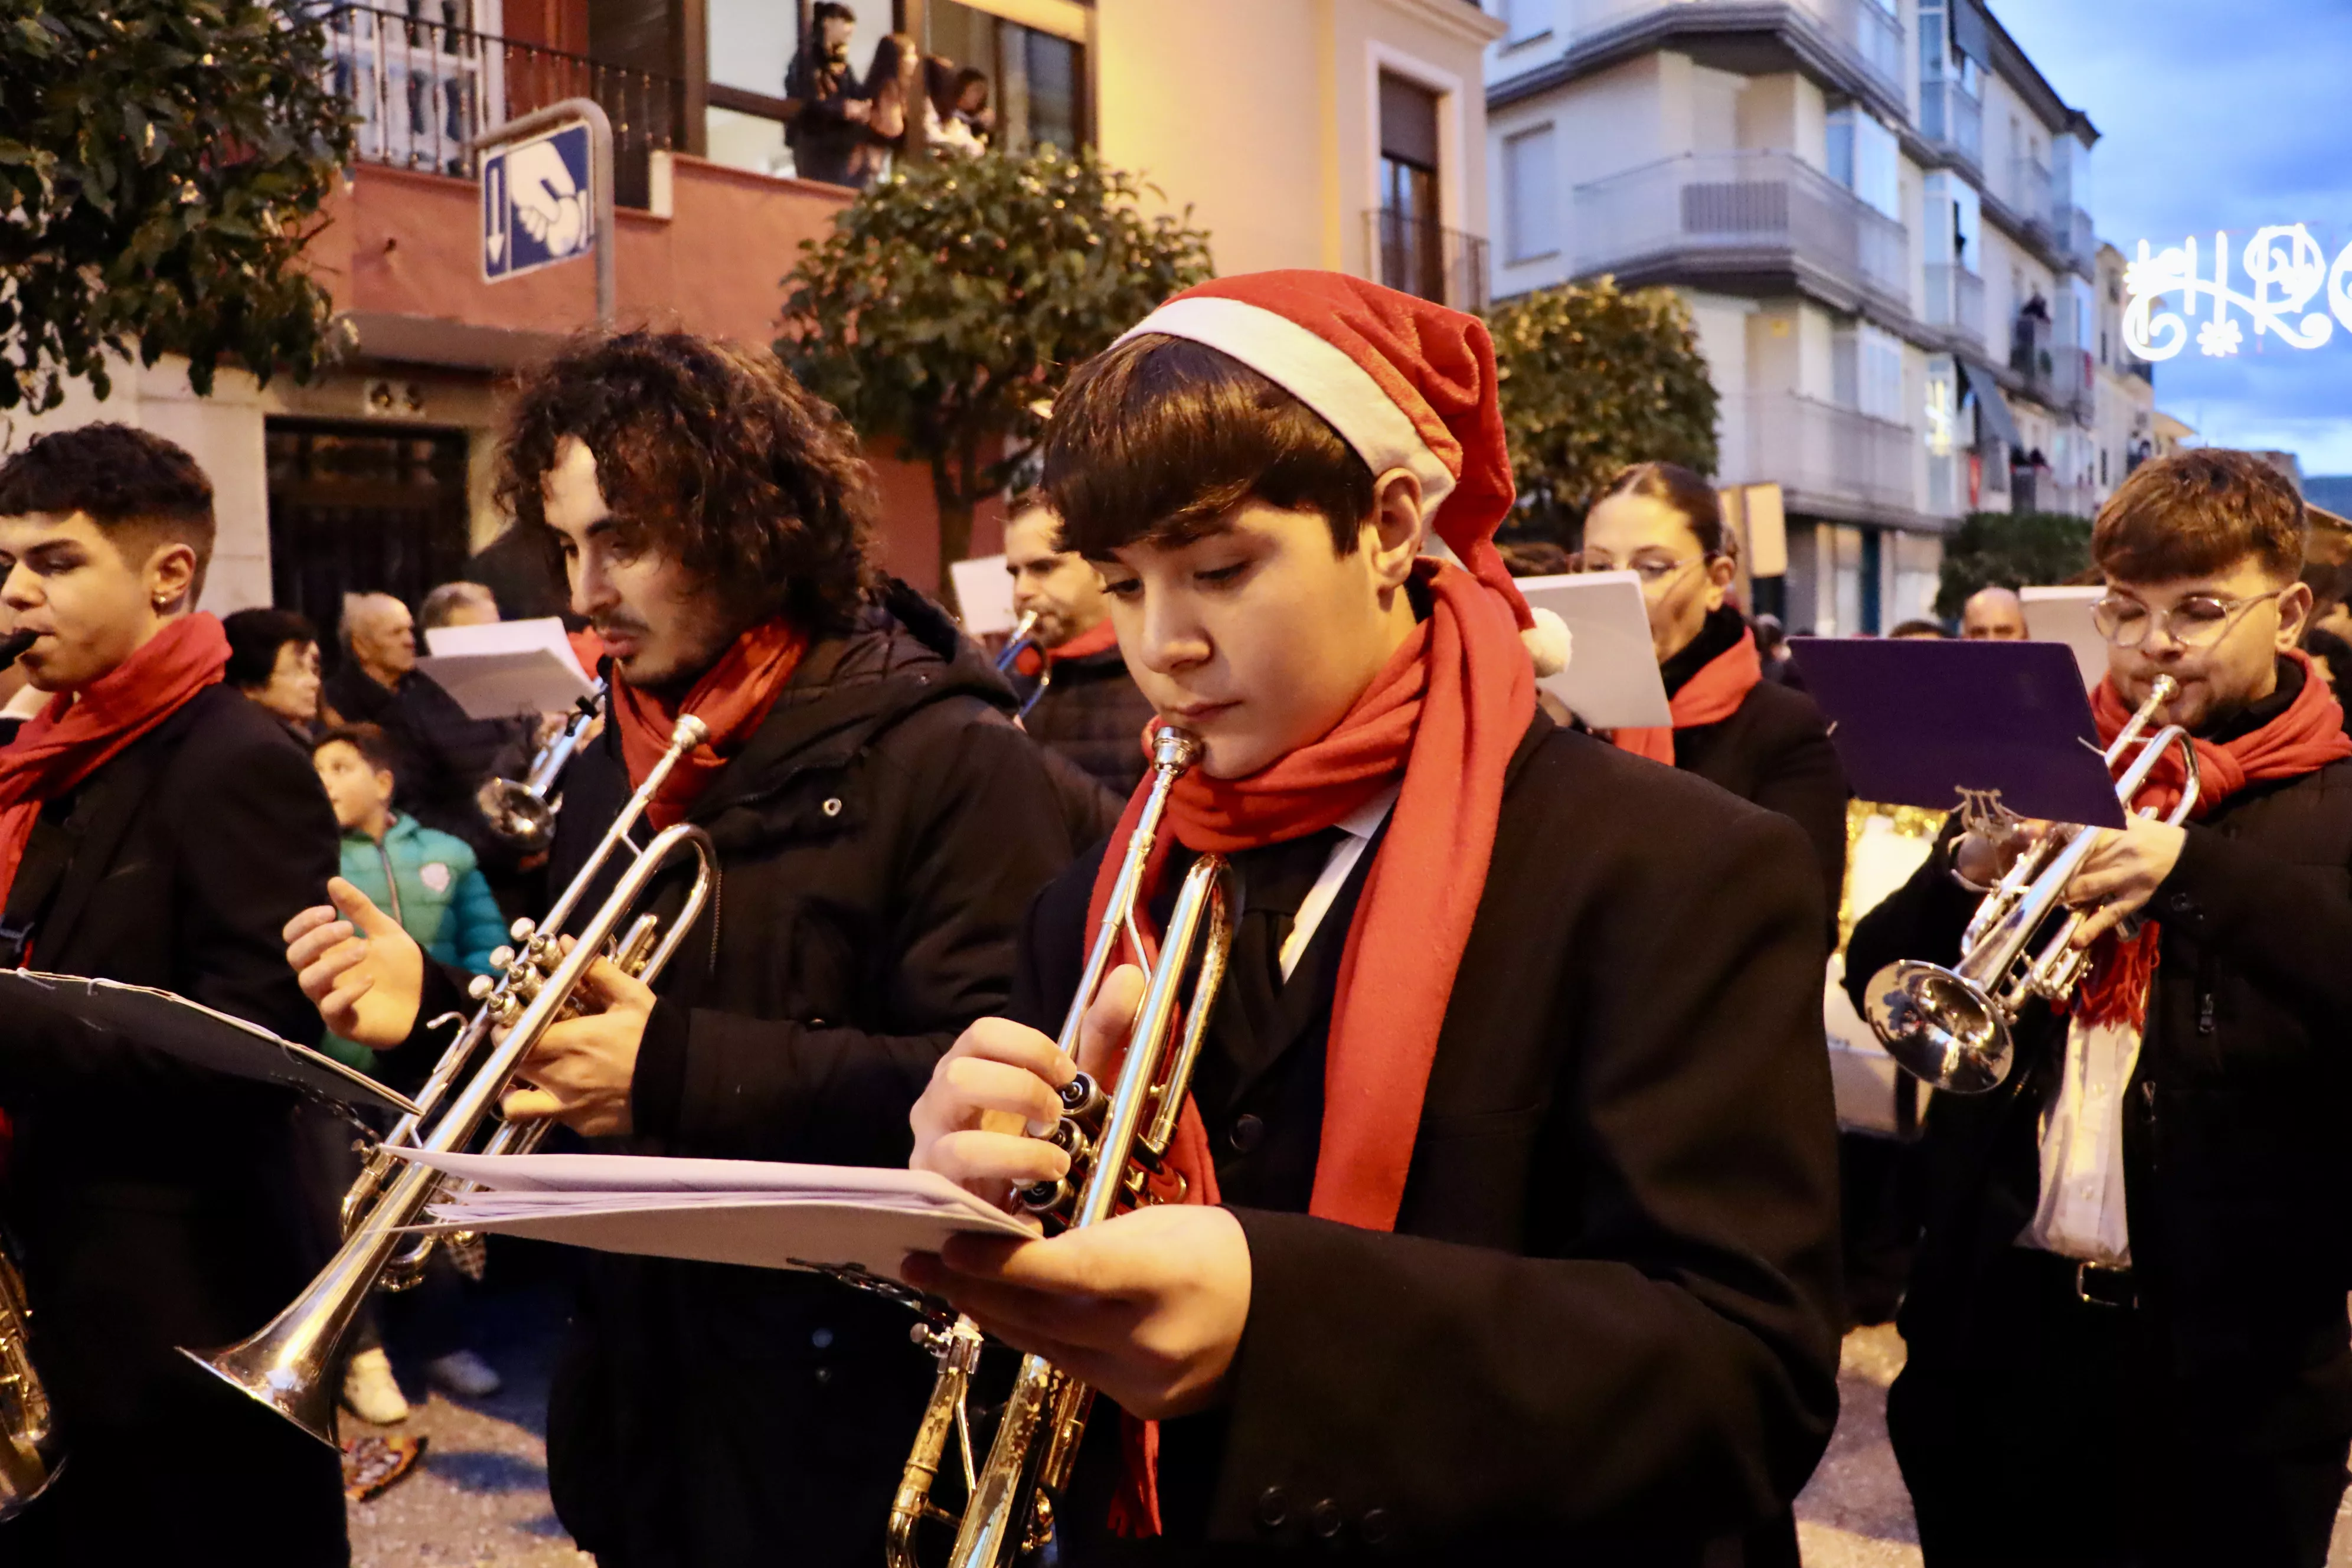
{"x":1878,"y":212}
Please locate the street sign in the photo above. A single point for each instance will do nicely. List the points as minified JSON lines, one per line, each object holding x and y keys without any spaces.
{"x":538,"y":204}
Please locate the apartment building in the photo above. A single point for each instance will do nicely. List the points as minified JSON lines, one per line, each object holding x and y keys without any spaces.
{"x":1879,"y":213}
{"x":1337,"y":133}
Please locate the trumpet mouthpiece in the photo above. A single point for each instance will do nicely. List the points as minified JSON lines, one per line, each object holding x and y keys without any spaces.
{"x":690,"y":732}
{"x":1174,"y":748}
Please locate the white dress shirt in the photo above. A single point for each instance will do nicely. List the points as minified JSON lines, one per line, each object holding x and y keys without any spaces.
{"x":2080,"y":1212}
{"x":1358,"y":825}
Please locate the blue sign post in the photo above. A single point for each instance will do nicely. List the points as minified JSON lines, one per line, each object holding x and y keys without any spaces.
{"x":547,"y":194}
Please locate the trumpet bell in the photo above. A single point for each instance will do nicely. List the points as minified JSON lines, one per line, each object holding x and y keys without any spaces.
{"x":291,"y":1380}
{"x":517,"y":815}
{"x":1939,"y":1027}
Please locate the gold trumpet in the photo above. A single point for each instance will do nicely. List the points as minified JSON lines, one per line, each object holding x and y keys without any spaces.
{"x":1951,"y":1027}
{"x":1118,"y":1145}
{"x":287,"y":1364}
{"x":31,"y":1451}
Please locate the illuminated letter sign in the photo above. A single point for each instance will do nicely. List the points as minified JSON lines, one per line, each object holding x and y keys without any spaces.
{"x":2284,"y":271}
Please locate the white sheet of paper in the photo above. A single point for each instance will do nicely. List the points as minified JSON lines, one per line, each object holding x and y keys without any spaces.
{"x":2063,"y":615}
{"x":505,"y":685}
{"x":506,"y":637}
{"x":763,"y":1215}
{"x":984,"y":593}
{"x":1611,"y":681}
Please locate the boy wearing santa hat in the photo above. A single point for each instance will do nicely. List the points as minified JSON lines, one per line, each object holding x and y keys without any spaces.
{"x":1511,"y":1150}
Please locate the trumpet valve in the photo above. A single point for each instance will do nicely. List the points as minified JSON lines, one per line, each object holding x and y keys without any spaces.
{"x":523,"y":930}
{"x":502,"y":958}
{"x":480,"y":986}
{"x":1048,"y":1198}
{"x":1082,"y":1098}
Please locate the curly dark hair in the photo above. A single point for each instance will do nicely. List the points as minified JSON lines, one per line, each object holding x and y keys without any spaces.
{"x":713,"y":454}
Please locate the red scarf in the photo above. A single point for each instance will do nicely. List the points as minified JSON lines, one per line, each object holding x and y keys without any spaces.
{"x":2305,"y":738}
{"x":1445,"y":714}
{"x":1710,"y":696}
{"x":1102,"y":637}
{"x":76,"y":734}
{"x":732,"y":698}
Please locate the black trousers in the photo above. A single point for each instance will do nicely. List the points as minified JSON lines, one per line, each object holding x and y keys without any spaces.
{"x":2072,"y":1448}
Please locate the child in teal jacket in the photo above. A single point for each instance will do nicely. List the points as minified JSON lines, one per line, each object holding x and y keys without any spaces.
{"x":427,"y":880}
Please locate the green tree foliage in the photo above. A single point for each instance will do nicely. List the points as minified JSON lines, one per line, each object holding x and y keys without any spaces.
{"x":1593,"y":378}
{"x":951,"y":300}
{"x":161,"y":166}
{"x":2011,"y":549}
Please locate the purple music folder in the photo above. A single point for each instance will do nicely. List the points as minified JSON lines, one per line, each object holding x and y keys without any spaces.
{"x":1920,"y":721}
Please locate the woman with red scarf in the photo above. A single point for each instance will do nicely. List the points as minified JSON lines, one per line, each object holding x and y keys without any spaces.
{"x":1761,"y":740}
{"x":2127,"y":1318}
{"x":156,"y":828}
{"x":1511,"y":1144}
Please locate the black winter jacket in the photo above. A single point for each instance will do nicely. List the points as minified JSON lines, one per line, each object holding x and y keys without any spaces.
{"x":159,"y":1204}
{"x":442,"y":756}
{"x":878,"y":839}
{"x":1605,"y":1330}
{"x":2235,"y":1153}
{"x":1093,"y":713}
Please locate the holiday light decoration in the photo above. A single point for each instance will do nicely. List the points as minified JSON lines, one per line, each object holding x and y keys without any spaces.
{"x":2284,"y":270}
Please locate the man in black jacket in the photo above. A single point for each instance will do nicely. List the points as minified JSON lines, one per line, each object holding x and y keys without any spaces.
{"x":157,"y":832}
{"x":2127,"y":1319}
{"x":832,"y":109}
{"x":881,"y":824}
{"x":1080,"y":699}
{"x":1513,"y":1122}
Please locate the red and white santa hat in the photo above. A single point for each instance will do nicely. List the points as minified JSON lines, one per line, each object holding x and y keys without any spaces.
{"x":1408,"y":383}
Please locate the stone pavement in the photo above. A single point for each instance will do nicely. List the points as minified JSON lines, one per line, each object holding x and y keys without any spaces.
{"x":479,"y":1500}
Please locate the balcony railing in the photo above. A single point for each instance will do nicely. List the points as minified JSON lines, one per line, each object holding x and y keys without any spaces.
{"x":1428,"y":259}
{"x":2033,"y":355}
{"x":1955,"y":303}
{"x":1760,"y":209}
{"x":423,"y":90}
{"x":2029,"y":193}
{"x":2074,"y":379}
{"x":1869,"y":39}
{"x":1829,"y":452}
{"x":1950,"y":119}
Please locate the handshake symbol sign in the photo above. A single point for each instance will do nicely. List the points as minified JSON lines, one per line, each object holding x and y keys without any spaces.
{"x":536,"y":203}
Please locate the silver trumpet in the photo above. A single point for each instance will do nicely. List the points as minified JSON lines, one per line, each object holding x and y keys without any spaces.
{"x":1117,"y":1144}
{"x":1020,"y":639}
{"x":1950,"y":1028}
{"x":289,"y":1364}
{"x":520,"y":811}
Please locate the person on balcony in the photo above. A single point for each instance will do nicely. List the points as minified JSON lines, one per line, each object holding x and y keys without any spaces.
{"x":828,"y":129}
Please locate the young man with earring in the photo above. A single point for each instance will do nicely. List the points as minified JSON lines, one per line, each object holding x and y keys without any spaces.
{"x":2126,"y":1329}
{"x":881,"y":825}
{"x":156,"y":828}
{"x":1509,"y":1158}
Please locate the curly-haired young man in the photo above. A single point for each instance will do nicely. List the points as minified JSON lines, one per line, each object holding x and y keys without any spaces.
{"x":881,"y":825}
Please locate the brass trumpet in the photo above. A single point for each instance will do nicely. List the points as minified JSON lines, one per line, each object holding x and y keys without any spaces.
{"x":520,"y":810}
{"x":1118,"y":1145}
{"x":1950,"y":1028}
{"x":287,"y":1364}
{"x":31,"y":1451}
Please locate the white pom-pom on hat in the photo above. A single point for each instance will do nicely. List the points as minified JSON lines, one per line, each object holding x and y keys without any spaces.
{"x":1548,"y":642}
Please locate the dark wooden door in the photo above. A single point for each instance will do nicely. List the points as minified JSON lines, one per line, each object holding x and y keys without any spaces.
{"x":360,"y":510}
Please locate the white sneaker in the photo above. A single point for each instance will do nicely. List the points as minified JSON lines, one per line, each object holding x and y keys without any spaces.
{"x":464,"y":1373}
{"x":371,"y":1391}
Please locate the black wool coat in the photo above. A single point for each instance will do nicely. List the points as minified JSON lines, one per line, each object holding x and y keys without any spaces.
{"x":2235,"y":1163}
{"x":1093,"y":713}
{"x":1606,"y":1328}
{"x":159,"y":1204}
{"x":441,"y":754}
{"x":878,"y":839}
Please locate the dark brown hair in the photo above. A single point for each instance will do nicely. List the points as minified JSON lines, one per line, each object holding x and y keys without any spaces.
{"x":254,"y":639}
{"x":128,"y":481}
{"x":2196,"y":513}
{"x":1684,"y":491}
{"x":374,"y":747}
{"x":711,"y":454}
{"x":1157,"y":438}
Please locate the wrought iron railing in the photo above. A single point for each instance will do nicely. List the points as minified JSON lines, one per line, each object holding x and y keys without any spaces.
{"x":423,"y":88}
{"x":1754,"y":207}
{"x":1428,"y":259}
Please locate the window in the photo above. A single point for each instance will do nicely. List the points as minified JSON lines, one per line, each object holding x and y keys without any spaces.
{"x":1530,"y":186}
{"x":1527,"y":19}
{"x":1411,"y":216}
{"x":1863,"y":158}
{"x":1955,"y":222}
{"x":1866,"y":371}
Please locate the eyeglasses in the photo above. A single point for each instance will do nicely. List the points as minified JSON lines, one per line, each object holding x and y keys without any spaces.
{"x":1650,"y":573}
{"x":2199,"y":620}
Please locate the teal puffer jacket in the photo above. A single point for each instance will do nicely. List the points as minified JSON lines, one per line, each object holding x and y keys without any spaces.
{"x":428,"y":881}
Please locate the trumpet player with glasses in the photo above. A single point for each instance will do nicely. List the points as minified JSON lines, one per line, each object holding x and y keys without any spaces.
{"x":877,"y":824}
{"x":2125,"y":1326}
{"x":1499,"y":1220}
